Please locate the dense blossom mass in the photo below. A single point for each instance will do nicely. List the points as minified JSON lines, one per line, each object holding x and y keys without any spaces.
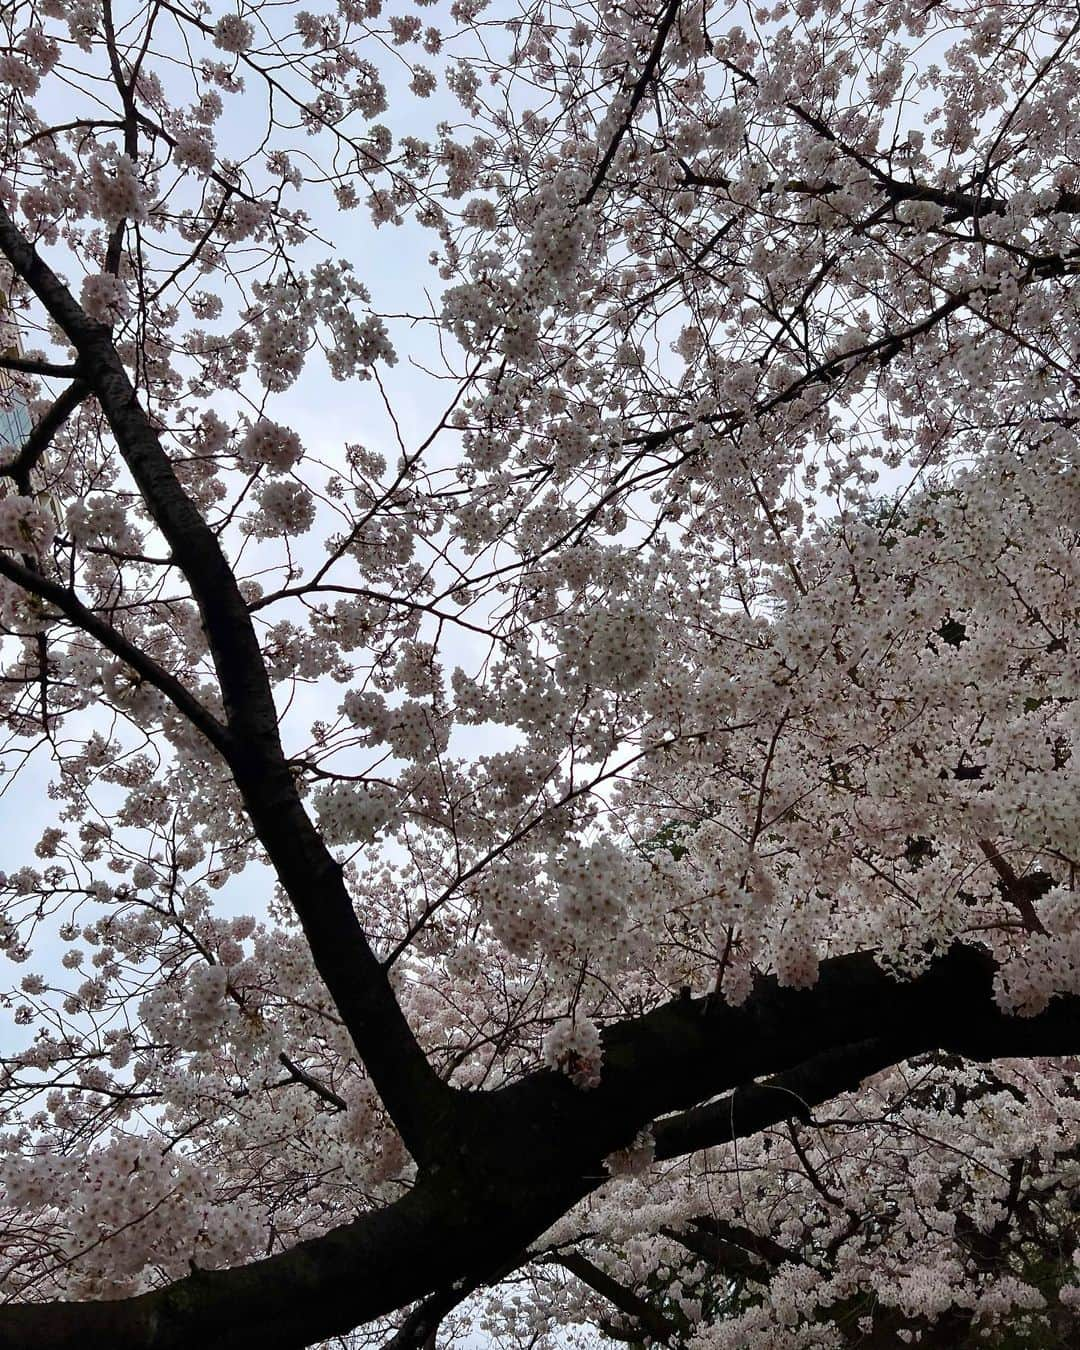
{"x":549,"y":802}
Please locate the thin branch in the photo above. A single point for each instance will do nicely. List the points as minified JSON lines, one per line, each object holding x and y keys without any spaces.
{"x":648,"y":70}
{"x":651,"y":1320}
{"x":1017,"y":890}
{"x":299,"y":1075}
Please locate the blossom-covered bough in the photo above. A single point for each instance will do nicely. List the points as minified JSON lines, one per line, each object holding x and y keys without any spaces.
{"x":605,"y":855}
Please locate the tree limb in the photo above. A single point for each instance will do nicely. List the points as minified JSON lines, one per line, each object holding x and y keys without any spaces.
{"x":417,"y":1331}
{"x":42,"y":433}
{"x":759,"y":1105}
{"x":728,"y":1257}
{"x":417,"y":1100}
{"x":651,"y":1320}
{"x":92,"y":623}
{"x":28,"y":366}
{"x":533,"y":1149}
{"x":667,"y":18}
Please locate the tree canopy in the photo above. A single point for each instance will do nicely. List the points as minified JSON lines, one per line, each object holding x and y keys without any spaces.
{"x":546,"y":805}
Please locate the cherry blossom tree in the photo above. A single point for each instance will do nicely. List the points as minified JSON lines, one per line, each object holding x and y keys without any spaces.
{"x":590,"y":850}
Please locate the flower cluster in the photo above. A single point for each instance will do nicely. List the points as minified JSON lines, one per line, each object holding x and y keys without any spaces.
{"x":105,"y":298}
{"x":233,"y":34}
{"x":26,"y":525}
{"x":351,"y":813}
{"x":573,"y":1047}
{"x":285,"y":508}
{"x":116,"y":189}
{"x":269,"y":445}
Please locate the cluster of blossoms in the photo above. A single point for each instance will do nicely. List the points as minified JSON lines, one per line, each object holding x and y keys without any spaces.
{"x":415,"y":731}
{"x":367,"y":708}
{"x":233,"y":34}
{"x":349,"y":813}
{"x":784,"y":1262}
{"x":102,"y":519}
{"x":592,"y":884}
{"x":609,"y":647}
{"x":1048,"y":963}
{"x":26,"y":525}
{"x":573,"y":1047}
{"x":289,"y":316}
{"x":117,"y":190}
{"x":794,"y":954}
{"x":104,"y":297}
{"x":267,"y":444}
{"x":121,"y":1198}
{"x":194,"y":149}
{"x":285,"y":508}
